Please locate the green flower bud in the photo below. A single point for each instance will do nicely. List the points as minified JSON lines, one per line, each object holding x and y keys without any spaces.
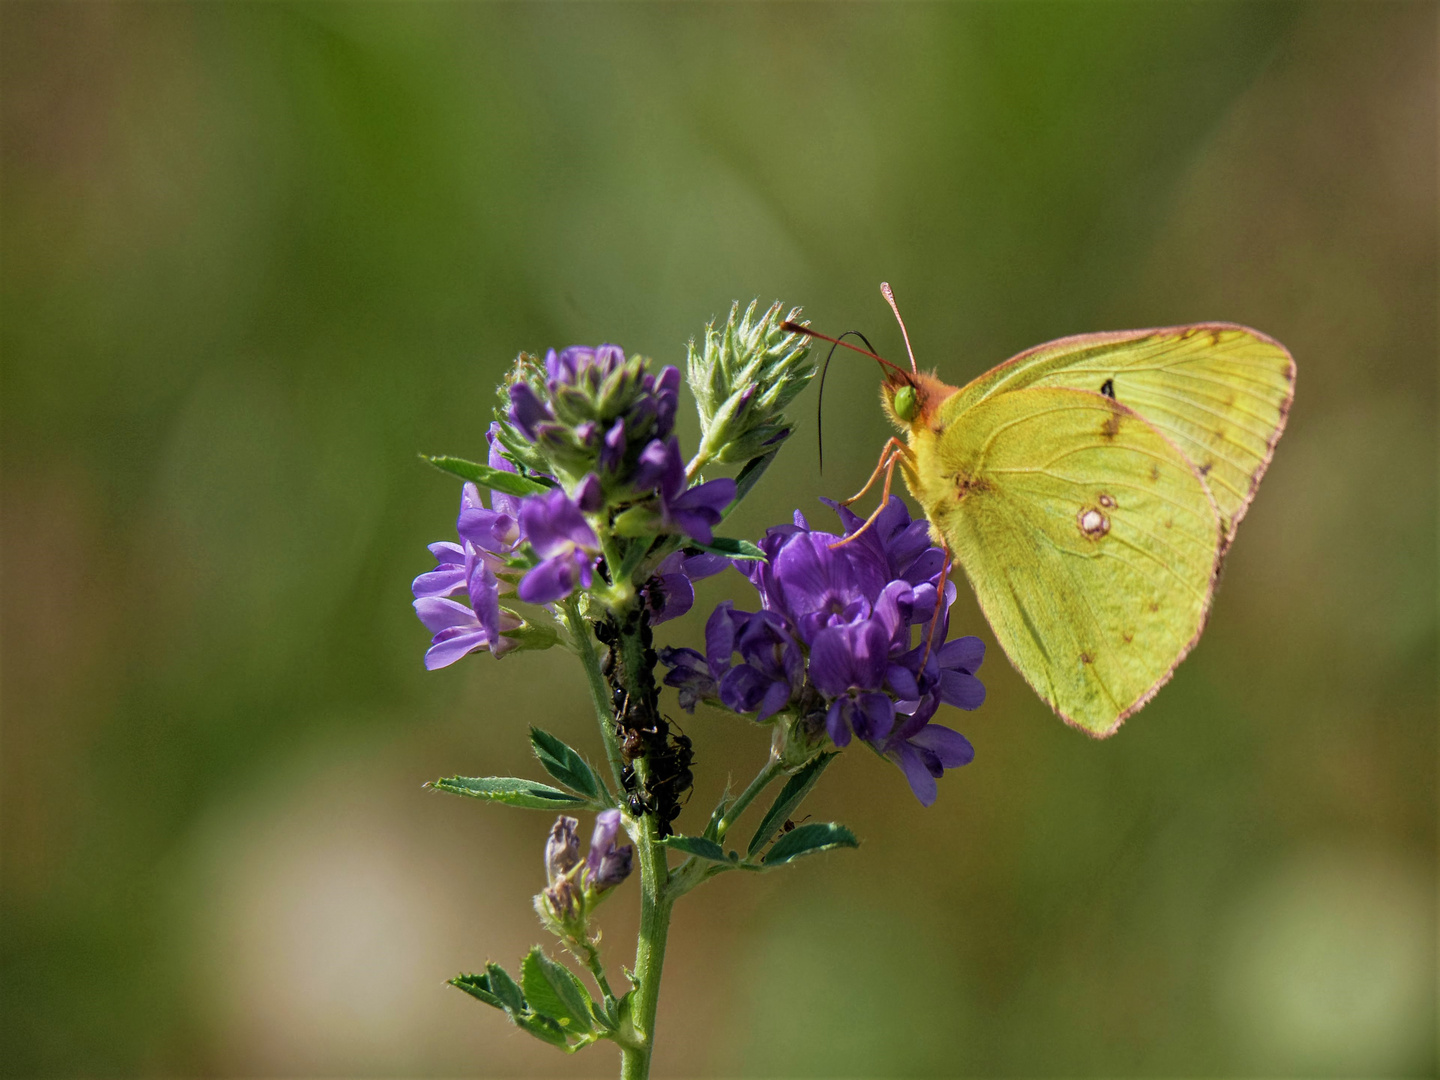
{"x":743,"y":376}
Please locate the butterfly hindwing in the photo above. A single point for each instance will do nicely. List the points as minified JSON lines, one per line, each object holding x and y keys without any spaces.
{"x":1091,"y":541}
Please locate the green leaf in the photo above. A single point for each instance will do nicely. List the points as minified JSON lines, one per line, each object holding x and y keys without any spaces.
{"x":731,"y":548}
{"x":564,"y":764}
{"x":495,"y":479}
{"x":698,"y":845}
{"x":749,"y":476}
{"x":544,"y":1028}
{"x":511,"y":791}
{"x":552,"y":990}
{"x":504,"y":988}
{"x":477,"y":986}
{"x":807,"y":840}
{"x":795,"y":789}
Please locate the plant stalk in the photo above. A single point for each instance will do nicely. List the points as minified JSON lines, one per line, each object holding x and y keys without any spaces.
{"x":599,"y":691}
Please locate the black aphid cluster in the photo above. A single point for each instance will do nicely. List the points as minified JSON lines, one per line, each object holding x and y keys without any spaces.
{"x":640,"y":729}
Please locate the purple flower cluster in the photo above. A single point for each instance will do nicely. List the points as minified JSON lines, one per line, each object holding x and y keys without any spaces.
{"x":459,"y":600}
{"x":605,"y":426}
{"x":834,"y":643}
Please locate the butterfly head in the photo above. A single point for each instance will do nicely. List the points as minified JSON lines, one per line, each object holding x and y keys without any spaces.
{"x":912,"y":398}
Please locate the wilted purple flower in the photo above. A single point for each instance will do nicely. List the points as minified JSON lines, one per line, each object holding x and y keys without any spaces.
{"x":606,"y":864}
{"x":843,"y":639}
{"x":562,"y":849}
{"x":566,"y":544}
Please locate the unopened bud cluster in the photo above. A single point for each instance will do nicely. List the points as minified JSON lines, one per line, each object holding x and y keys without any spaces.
{"x":743,"y":375}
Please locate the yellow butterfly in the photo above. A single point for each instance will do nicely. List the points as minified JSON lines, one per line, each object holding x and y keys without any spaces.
{"x":1090,"y":487}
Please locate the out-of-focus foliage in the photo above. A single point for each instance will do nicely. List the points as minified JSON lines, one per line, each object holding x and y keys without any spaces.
{"x":254,"y":257}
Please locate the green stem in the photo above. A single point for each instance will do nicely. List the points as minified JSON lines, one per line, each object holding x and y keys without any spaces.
{"x":599,"y":691}
{"x":655,"y":905}
{"x":763,"y":778}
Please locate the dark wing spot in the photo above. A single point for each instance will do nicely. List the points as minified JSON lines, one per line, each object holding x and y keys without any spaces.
{"x":1205,"y":469}
{"x":1154,"y":472}
{"x":1169,"y":524}
{"x":1154,"y":606}
{"x":1111,"y":427}
{"x":1128,"y":638}
{"x":1108,"y":388}
{"x":1216,"y":336}
{"x":1085,"y":658}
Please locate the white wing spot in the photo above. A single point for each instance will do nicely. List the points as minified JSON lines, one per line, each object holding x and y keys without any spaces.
{"x":1093,"y":523}
{"x":1106,"y":501}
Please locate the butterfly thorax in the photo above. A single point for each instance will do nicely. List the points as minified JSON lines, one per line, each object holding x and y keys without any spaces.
{"x":926,"y":475}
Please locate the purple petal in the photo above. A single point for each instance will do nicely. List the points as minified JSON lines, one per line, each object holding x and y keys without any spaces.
{"x":775,"y":699}
{"x":720,"y":638}
{"x":874,"y":716}
{"x":902,"y":680}
{"x":913,"y":766}
{"x":964,"y":654}
{"x":713,"y":495}
{"x":612,"y":454}
{"x":660,"y":468}
{"x":676,"y":596}
{"x":831,"y":666}
{"x":526,"y":410}
{"x":554,"y":579}
{"x":836,"y":724}
{"x":961,"y":689}
{"x":950,"y":747}
{"x":442,"y":581}
{"x":450,"y":645}
{"x":704,"y":565}
{"x":440,"y":614}
{"x":743,"y":688}
{"x":588,"y":495}
{"x":551,"y":522}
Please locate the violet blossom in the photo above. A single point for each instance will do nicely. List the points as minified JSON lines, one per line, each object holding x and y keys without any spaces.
{"x":843,"y":644}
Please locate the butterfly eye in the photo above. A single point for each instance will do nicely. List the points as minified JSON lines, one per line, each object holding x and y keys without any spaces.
{"x":905,"y":404}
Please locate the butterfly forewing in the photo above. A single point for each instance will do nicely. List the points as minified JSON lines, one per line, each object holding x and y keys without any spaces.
{"x":1089,"y":538}
{"x":1218,"y":391}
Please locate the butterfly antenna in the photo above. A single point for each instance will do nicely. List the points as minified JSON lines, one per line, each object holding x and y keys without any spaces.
{"x":820,"y":397}
{"x":796,"y":328}
{"x":889,"y":295}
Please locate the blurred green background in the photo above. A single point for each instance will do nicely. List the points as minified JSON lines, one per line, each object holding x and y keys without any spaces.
{"x":256,"y":256}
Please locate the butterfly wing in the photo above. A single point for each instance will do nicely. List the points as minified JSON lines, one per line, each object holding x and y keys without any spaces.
{"x":1090,"y":540}
{"x":1218,"y":391}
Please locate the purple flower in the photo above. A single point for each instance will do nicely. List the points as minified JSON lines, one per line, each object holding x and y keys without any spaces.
{"x":606,"y":864}
{"x":843,"y":641}
{"x":468,"y":569}
{"x":566,"y":544}
{"x":772,"y":667}
{"x":690,"y":674}
{"x":670,"y":591}
{"x":458,"y":630}
{"x":693,"y":511}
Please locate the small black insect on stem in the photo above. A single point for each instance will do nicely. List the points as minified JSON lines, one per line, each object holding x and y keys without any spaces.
{"x":642,"y":732}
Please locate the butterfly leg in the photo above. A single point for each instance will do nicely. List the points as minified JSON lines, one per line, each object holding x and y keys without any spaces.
{"x":891,"y":444}
{"x":888,"y":461}
{"x":939,"y":604}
